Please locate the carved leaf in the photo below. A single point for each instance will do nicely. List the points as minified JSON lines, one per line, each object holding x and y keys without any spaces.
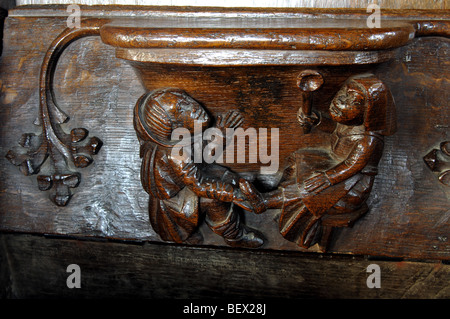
{"x":78,"y":134}
{"x":431,"y":159}
{"x":445,"y":148}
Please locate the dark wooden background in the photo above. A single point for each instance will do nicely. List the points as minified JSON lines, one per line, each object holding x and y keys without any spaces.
{"x":408,"y":219}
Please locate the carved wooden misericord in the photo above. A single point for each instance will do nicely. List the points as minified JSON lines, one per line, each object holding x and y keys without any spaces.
{"x":321,"y":188}
{"x":319,"y":80}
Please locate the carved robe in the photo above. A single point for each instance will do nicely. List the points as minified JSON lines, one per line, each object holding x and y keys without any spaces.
{"x":350,"y":164}
{"x":175,"y":187}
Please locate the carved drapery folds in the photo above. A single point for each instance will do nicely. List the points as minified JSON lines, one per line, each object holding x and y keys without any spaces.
{"x":328,"y":186}
{"x":181,"y":189}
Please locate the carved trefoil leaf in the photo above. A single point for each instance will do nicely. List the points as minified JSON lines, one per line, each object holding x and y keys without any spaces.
{"x":66,"y":153}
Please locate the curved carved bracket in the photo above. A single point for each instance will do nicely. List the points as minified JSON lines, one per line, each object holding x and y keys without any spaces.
{"x":67,"y":151}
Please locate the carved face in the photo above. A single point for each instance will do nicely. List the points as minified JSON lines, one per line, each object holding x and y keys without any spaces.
{"x":183,"y":110}
{"x":187,"y":111}
{"x":347,"y":106}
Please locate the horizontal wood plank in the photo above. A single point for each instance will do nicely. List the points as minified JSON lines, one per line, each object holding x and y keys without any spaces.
{"x":37,"y":268}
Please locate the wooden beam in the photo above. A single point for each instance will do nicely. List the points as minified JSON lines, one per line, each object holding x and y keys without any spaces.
{"x":37,"y":268}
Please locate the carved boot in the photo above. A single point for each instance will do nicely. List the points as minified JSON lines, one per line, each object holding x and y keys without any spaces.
{"x":233,"y":231}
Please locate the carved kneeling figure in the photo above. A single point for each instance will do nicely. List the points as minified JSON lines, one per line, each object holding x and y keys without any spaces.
{"x":327,"y":186}
{"x":181,"y":190}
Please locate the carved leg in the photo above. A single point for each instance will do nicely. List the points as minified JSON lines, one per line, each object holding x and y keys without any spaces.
{"x":223,"y":220}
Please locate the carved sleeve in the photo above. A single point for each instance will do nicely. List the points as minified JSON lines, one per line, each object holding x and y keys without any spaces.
{"x":192,"y":176}
{"x":325,"y":124}
{"x":366,"y":151}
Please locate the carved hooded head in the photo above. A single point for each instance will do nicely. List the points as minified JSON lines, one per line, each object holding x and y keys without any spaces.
{"x":365,"y":100}
{"x":158,"y":113}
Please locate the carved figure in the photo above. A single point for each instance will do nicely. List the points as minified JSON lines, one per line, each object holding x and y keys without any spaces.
{"x":181,"y":190}
{"x":327,"y":185}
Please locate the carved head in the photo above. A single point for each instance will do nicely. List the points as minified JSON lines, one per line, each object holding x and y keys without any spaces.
{"x":348,"y":105}
{"x":365,"y":100}
{"x":159,"y":112}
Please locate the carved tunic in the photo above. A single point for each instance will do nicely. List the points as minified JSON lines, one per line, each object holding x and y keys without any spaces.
{"x":350,"y":165}
{"x":356,"y":150}
{"x":170,"y":175}
{"x":176,"y":186}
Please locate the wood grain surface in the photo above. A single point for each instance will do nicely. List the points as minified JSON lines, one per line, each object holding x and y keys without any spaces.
{"x":391,"y":4}
{"x":409,"y":209}
{"x":257,"y":33}
{"x":37,"y":268}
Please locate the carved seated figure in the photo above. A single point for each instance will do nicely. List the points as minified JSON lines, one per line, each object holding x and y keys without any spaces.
{"x":327,"y":186}
{"x":180,"y":189}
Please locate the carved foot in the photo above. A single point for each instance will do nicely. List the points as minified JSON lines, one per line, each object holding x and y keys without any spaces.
{"x":248,"y":238}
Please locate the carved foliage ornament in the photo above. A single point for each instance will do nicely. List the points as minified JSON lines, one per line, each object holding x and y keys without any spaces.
{"x":66,"y":151}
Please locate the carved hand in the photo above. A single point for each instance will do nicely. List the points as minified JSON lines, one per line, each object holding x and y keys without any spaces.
{"x":317,"y":183}
{"x":232,"y":119}
{"x":307,"y":120}
{"x":240,"y":200}
{"x":253,"y":196}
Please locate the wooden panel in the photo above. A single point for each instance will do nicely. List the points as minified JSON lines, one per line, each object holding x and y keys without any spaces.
{"x":409,"y":207}
{"x":37,"y":269}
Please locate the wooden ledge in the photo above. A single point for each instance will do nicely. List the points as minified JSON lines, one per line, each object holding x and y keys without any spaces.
{"x":259,"y":34}
{"x":247,"y":40}
{"x":243,"y":57}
